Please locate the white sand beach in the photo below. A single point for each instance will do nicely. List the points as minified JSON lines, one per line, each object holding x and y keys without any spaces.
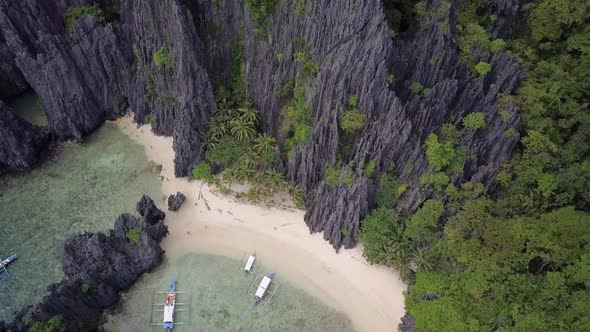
{"x":209,"y":222}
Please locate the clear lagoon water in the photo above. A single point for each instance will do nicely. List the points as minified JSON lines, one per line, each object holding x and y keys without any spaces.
{"x":84,"y":188}
{"x":216,"y":292}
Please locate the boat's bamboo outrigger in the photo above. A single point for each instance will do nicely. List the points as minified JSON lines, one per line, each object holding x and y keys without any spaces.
{"x":169,"y":308}
{"x":4,"y":274}
{"x":263,"y":293}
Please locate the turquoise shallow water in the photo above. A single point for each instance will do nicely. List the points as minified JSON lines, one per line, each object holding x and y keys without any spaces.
{"x":216,"y":290}
{"x":83,"y":189}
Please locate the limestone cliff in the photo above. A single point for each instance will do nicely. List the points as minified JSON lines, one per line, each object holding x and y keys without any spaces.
{"x":162,"y":57}
{"x":350,"y":42}
{"x":21,"y":143}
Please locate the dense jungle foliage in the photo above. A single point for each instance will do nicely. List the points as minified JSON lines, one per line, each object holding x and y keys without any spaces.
{"x":517,"y":259}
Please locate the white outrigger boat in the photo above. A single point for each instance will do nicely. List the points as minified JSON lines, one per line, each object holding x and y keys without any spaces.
{"x":170,"y":308}
{"x":249,"y":263}
{"x":263,"y":289}
{"x":4,"y":272}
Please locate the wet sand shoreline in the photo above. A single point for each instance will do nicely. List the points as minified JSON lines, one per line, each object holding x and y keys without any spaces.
{"x":209,"y":222}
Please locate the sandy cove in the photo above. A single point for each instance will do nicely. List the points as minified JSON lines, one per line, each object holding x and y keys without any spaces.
{"x":210,"y":223}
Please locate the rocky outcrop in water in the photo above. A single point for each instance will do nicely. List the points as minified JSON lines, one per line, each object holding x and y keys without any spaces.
{"x":21,"y":143}
{"x":176,"y":201}
{"x":97,"y":268}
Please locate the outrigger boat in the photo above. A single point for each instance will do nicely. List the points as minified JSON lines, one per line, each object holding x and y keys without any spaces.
{"x":249,"y":263}
{"x":263,"y":289}
{"x":169,"y":307}
{"x":3,"y":263}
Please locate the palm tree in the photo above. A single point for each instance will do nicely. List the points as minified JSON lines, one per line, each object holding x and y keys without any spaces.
{"x":249,"y":113}
{"x":264,"y":144}
{"x":297,"y":195}
{"x":248,"y":160}
{"x":274,"y":180}
{"x":242,"y":130}
{"x":208,"y":141}
{"x":399,"y":260}
{"x":230,"y":175}
{"x":420,"y":258}
{"x":218,"y":129}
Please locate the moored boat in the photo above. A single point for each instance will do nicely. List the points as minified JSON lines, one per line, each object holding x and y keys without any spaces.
{"x":7,"y":261}
{"x":169,"y":307}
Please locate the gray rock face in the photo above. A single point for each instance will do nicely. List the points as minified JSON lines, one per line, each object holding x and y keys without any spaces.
{"x":350,"y":43}
{"x":179,"y":96}
{"x":20,"y":142}
{"x":176,"y":201}
{"x":79,"y":77}
{"x":97,"y":268}
{"x":12,"y":81}
{"x":85,"y":78}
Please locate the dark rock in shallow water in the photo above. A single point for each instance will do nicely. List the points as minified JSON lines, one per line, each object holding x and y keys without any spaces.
{"x":149,"y":210}
{"x":175,"y":201}
{"x":97,"y":268}
{"x":20,"y":142}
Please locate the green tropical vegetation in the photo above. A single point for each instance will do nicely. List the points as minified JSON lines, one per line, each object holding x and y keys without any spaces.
{"x":74,"y":13}
{"x":238,"y":149}
{"x":163,"y":59}
{"x":84,"y":288}
{"x":299,"y":115}
{"x":369,"y":169}
{"x":54,"y":324}
{"x":518,"y":258}
{"x":475,"y":120}
{"x":260,"y":9}
{"x":134,"y":235}
{"x":203,"y":172}
{"x":482,"y":68}
{"x":416,"y":87}
{"x":352,"y":120}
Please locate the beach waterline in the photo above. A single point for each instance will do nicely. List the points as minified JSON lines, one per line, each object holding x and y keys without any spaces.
{"x":213,"y":297}
{"x":82,"y":189}
{"x":211,"y":223}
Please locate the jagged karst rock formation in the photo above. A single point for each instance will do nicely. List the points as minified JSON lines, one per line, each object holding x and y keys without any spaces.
{"x":351,"y":44}
{"x":178,"y":96}
{"x":21,"y":143}
{"x":176,"y":201}
{"x":97,"y":268}
{"x":12,"y":81}
{"x":91,"y":74}
{"x":78,"y":76}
